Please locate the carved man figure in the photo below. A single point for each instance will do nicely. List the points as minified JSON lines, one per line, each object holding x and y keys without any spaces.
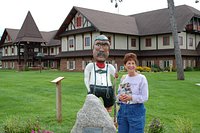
{"x":97,"y":74}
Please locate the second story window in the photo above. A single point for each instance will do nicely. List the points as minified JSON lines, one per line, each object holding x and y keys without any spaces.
{"x":6,"y":51}
{"x":87,"y":41}
{"x":148,"y":42}
{"x":12,"y":50}
{"x":59,"y":49}
{"x":133,"y":42}
{"x":52,"y":50}
{"x":109,"y":38}
{"x":165,"y":40}
{"x":191,"y":42}
{"x":180,"y":40}
{"x":71,"y":43}
{"x":45,"y":50}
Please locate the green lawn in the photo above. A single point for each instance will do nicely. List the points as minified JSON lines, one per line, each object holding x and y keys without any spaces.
{"x":31,"y":94}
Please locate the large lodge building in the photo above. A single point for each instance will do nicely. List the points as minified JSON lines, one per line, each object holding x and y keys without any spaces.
{"x":147,"y":34}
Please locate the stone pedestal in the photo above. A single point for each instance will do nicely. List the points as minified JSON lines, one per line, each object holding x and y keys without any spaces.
{"x":93,"y":117}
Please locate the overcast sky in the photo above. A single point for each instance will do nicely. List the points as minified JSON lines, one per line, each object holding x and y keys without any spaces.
{"x":50,"y":14}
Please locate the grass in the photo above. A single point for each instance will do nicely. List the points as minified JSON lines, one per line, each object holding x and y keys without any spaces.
{"x":31,"y":94}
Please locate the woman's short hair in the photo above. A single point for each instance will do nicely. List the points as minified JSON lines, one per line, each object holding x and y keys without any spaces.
{"x":130,"y":56}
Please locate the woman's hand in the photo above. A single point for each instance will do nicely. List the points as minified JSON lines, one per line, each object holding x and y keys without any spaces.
{"x":125,"y":97}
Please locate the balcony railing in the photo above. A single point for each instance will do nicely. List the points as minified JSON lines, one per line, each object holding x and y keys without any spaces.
{"x":193,"y":28}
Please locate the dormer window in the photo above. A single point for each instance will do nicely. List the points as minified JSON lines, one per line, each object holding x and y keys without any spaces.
{"x":78,"y":20}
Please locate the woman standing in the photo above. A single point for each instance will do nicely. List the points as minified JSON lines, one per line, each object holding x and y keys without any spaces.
{"x":132,"y":93}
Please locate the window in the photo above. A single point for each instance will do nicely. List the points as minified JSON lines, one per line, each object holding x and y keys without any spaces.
{"x":52,"y":50}
{"x":12,"y":50}
{"x":149,"y":63}
{"x":71,"y":43}
{"x":180,"y":40}
{"x":6,"y":51}
{"x":45,"y":50}
{"x":190,"y":41}
{"x":12,"y":65}
{"x":59,"y":49}
{"x":71,"y":65}
{"x":148,"y":42}
{"x":133,"y":42}
{"x":165,"y":40}
{"x":109,"y":38}
{"x":52,"y":64}
{"x":78,"y":19}
{"x":87,"y":41}
{"x":166,"y":63}
{"x":36,"y":49}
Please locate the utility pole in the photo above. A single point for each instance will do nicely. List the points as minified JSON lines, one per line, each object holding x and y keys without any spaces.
{"x":177,"y":51}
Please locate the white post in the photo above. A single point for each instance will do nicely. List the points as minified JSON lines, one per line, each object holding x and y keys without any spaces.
{"x":58,"y":98}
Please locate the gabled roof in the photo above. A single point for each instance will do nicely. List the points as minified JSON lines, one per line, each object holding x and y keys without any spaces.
{"x":109,"y":22}
{"x":47,"y":36}
{"x":102,"y":21}
{"x":29,"y":31}
{"x":147,"y":23}
{"x":11,"y":32}
{"x":158,"y":22}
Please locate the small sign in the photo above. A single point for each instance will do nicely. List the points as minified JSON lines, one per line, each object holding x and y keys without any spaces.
{"x":57,"y":79}
{"x":92,"y":130}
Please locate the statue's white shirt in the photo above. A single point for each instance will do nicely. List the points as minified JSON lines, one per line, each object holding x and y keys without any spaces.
{"x":89,"y":75}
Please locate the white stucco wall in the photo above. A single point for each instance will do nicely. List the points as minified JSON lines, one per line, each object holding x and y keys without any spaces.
{"x":79,"y":42}
{"x":64,"y":44}
{"x":121,"y":42}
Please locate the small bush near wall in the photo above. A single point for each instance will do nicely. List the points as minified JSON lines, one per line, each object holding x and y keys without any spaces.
{"x":189,"y":69}
{"x":155,"y":68}
{"x":197,"y":68}
{"x":192,"y":69}
{"x":143,"y":69}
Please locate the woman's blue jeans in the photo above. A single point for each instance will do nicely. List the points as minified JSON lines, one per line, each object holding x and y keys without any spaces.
{"x":131,"y":118}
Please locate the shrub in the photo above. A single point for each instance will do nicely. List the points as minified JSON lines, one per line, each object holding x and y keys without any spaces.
{"x":143,"y":69}
{"x":155,"y":68}
{"x":189,"y":69}
{"x":146,"y":69}
{"x":16,"y":124}
{"x":183,"y":125}
{"x":155,"y":126}
{"x":139,"y":68}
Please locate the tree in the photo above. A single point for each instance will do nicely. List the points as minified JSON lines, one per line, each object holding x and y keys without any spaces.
{"x":177,"y":51}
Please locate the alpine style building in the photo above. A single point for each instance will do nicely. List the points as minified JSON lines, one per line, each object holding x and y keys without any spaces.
{"x":28,"y":48}
{"x":147,"y":34}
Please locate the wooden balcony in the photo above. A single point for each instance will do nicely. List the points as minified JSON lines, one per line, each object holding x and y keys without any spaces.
{"x":193,"y":28}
